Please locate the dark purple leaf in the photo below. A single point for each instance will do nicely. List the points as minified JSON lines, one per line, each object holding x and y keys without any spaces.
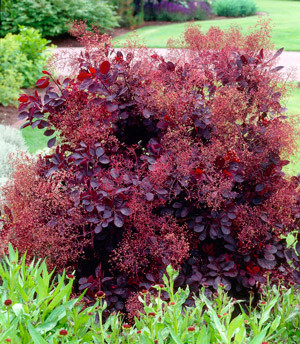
{"x":149,"y":196}
{"x":276,"y":69}
{"x":147,"y":113}
{"x":99,"y":151}
{"x":114,"y":173}
{"x":278,"y":53}
{"x":118,"y":220}
{"x":51,"y":142}
{"x":98,"y":229}
{"x":199,"y":228}
{"x":23,"y":115}
{"x":126,"y":211}
{"x":104,"y":159}
{"x":49,"y":132}
{"x":150,"y":277}
{"x":111,"y":107}
{"x":266,"y":264}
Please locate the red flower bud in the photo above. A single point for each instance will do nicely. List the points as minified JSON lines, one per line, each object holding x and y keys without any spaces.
{"x":172,"y":303}
{"x":191,"y":329}
{"x":70,"y":276}
{"x":100,"y":294}
{"x":139,"y":331}
{"x":262,"y":302}
{"x":126,"y":327}
{"x":8,"y":340}
{"x":151,"y":314}
{"x":219,"y":316}
{"x":144,"y":291}
{"x":63,"y":332}
{"x":222,"y":285}
{"x":8,"y":302}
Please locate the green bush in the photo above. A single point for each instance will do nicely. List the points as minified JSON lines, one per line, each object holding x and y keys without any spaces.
{"x":126,"y":12}
{"x":22,"y":58}
{"x":234,"y":8}
{"x":51,"y":17}
{"x":36,"y":307}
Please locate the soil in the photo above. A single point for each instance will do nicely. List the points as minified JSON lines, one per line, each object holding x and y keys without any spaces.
{"x":9,"y":114}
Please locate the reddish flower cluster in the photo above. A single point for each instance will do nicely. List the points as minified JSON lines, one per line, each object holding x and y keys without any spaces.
{"x":161,"y":161}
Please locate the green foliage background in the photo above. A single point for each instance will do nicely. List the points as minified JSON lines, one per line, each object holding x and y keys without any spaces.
{"x":22,"y":58}
{"x":51,"y":17}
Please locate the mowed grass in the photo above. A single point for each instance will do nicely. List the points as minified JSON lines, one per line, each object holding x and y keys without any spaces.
{"x":34,"y":138}
{"x":293,"y":106}
{"x":285,"y":16}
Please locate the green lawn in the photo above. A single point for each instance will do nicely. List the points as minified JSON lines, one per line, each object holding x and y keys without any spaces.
{"x":285,"y":15}
{"x":34,"y":139}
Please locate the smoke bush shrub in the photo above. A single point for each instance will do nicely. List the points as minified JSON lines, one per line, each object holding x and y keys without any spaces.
{"x":164,"y":162}
{"x":39,"y":217}
{"x":234,"y":8}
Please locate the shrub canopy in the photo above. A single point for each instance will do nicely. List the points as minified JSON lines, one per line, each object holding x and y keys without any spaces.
{"x":163,"y":160}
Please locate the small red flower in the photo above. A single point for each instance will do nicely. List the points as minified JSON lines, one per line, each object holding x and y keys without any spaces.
{"x":151,"y":314}
{"x":144,"y":291}
{"x":226,"y":313}
{"x":155,"y":341}
{"x":191,"y":329}
{"x":70,"y":276}
{"x":126,"y":327}
{"x":222,"y":285}
{"x":264,"y":343}
{"x":139,"y":331}
{"x":100,"y":294}
{"x":8,"y":340}
{"x":63,"y":332}
{"x":262,"y":302}
{"x":8,"y":302}
{"x":219,"y":316}
{"x":227,"y":173}
{"x":172,"y":303}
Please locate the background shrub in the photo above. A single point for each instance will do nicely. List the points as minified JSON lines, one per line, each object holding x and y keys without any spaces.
{"x":177,"y":11}
{"x":163,"y":163}
{"x":51,"y":17}
{"x":131,"y":12}
{"x":22,"y":58}
{"x":234,"y":8}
